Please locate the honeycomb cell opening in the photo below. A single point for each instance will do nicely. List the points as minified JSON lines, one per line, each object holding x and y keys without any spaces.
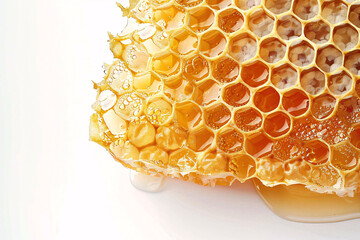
{"x":212,"y":43}
{"x":301,"y":53}
{"x":230,"y":20}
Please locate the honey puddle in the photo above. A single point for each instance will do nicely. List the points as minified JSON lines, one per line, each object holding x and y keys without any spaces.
{"x":296,"y":203}
{"x":145,"y":182}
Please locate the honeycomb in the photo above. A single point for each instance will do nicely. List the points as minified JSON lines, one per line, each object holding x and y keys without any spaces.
{"x":214,"y":91}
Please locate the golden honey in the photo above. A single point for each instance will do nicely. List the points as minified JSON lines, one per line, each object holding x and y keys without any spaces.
{"x":214,"y":91}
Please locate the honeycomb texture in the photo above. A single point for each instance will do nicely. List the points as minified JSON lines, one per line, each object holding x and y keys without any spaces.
{"x":213,"y":91}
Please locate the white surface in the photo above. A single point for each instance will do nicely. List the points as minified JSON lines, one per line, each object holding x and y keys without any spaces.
{"x":55,"y":184}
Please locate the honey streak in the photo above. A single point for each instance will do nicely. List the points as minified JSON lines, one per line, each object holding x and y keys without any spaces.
{"x":296,"y":203}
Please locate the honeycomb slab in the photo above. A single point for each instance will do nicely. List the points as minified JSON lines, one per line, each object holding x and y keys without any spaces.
{"x":214,"y":91}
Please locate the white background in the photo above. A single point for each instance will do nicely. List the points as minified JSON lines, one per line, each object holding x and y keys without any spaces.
{"x":55,"y":184}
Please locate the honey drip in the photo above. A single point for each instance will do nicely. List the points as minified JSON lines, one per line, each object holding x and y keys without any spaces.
{"x":296,"y":203}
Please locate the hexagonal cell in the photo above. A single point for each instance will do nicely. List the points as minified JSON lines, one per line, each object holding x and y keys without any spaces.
{"x":258,"y":145}
{"x":355,"y":137}
{"x":306,"y":9}
{"x":284,"y":76}
{"x":183,"y":42}
{"x":277,"y":124}
{"x":116,"y":125}
{"x":255,"y":74}
{"x":217,"y":116}
{"x":225,"y":70}
{"x":354,"y":15}
{"x":230,"y":140}
{"x":155,"y":155}
{"x":346,"y":37}
{"x":349,"y":109}
{"x":178,"y":89}
{"x":313,"y":81}
{"x":230,"y":20}
{"x":147,"y":82}
{"x":278,"y":6}
{"x":272,"y":50}
{"x":352,"y":62}
{"x":345,"y":157}
{"x":316,"y":152}
{"x":189,"y":3}
{"x":247,"y":4}
{"x":170,"y":137}
{"x":166,"y":64}
{"x":261,"y":23}
{"x":219,"y":4}
{"x":334,"y":11}
{"x":242,"y":166}
{"x":296,"y":102}
{"x":288,"y":27}
{"x":322,"y":106}
{"x":129,"y":105}
{"x":136,"y":57}
{"x":287,"y":148}
{"x":318,"y":31}
{"x":248,"y":119}
{"x":171,"y":17}
{"x":183,"y":159}
{"x":120,"y":78}
{"x":158,"y":110}
{"x":301,"y":53}
{"x":188,"y":114}
{"x":200,"y":139}
{"x":207,"y":92}
{"x":196,"y":68}
{"x":212,"y":43}
{"x":236,"y":95}
{"x":340,"y":83}
{"x":243,"y":47}
{"x":266,"y":99}
{"x":329,"y":58}
{"x":142,"y":134}
{"x":201,"y":19}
